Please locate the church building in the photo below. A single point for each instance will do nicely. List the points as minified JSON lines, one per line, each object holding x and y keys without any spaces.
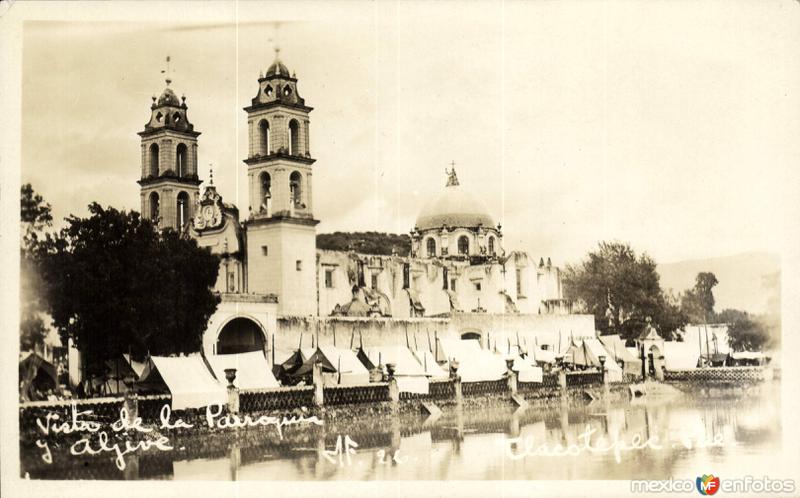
{"x":272,"y":274}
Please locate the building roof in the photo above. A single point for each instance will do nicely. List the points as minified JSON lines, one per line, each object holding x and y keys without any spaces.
{"x":454,"y":207}
{"x":278,"y":68}
{"x":168,"y":97}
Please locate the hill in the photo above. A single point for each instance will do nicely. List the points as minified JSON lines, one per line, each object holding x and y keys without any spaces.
{"x":748,"y":281}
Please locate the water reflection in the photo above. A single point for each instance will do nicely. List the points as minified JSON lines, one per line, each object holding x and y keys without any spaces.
{"x":472,"y":445}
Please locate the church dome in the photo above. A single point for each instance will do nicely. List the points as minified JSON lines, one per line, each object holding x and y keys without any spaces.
{"x":168,"y":97}
{"x":454,"y":207}
{"x":278,"y":69}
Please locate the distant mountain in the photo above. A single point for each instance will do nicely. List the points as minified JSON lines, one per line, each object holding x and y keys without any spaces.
{"x":748,"y":281}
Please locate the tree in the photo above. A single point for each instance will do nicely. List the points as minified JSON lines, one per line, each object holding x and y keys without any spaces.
{"x":114,"y":285}
{"x":621,"y":290}
{"x":745,"y":333}
{"x":35,"y":217}
{"x":698,"y":302}
{"x":366,"y":242}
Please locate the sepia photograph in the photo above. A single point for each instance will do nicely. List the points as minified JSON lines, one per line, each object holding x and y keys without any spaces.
{"x":543,"y":248}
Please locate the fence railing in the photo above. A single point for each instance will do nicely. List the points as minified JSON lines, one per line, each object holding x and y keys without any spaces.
{"x":375,"y":392}
{"x":281,"y":398}
{"x":584,"y":378}
{"x":484,"y":387}
{"x":721,"y":375}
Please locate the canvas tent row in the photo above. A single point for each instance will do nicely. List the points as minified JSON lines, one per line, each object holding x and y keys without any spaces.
{"x":187,"y":378}
{"x":294,"y":360}
{"x":411,"y":376}
{"x":475,"y":364}
{"x":587,"y":353}
{"x":339,"y":367}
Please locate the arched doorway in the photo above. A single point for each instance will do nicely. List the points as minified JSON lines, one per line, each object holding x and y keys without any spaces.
{"x":240,"y":335}
{"x":466,"y":336}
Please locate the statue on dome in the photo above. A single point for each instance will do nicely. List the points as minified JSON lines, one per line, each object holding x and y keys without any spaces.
{"x":452,"y":179}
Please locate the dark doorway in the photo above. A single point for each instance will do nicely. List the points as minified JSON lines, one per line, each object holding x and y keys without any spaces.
{"x":240,"y":335}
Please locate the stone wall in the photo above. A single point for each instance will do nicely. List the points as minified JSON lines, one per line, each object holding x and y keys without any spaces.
{"x":499,"y":330}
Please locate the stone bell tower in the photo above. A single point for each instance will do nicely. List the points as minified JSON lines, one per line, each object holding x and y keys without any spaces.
{"x":169,"y":182}
{"x":281,"y":229}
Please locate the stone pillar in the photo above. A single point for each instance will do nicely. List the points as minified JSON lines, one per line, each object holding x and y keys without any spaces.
{"x":394,"y":390}
{"x":511,"y":376}
{"x":131,"y":403}
{"x":233,"y":391}
{"x":603,"y":369}
{"x":456,"y":383}
{"x":319,"y":393}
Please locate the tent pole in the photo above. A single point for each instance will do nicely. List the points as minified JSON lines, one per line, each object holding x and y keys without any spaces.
{"x":273,"y":349}
{"x":352,"y":338}
{"x":700,"y":342}
{"x":428,"y":332}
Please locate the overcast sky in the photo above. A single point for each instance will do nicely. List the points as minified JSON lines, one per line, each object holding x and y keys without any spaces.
{"x":669,"y":125}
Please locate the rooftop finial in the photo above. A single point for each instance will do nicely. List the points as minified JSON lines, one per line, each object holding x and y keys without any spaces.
{"x":452,"y":179}
{"x":166,"y":71}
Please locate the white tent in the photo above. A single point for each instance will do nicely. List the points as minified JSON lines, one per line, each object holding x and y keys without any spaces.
{"x":614,"y":371}
{"x":616,"y":346}
{"x":680,"y":355}
{"x":540,"y":355}
{"x":410,"y":375}
{"x":475,"y":364}
{"x":527,"y":371}
{"x":188,"y":379}
{"x":428,"y":362}
{"x":252,"y":369}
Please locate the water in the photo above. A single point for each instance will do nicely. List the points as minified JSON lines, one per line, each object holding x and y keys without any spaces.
{"x":682,"y":437}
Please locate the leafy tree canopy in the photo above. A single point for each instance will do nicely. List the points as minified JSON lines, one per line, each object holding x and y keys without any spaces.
{"x":621,"y":290}
{"x":698,"y":302}
{"x":745,"y":332}
{"x":114,"y":285}
{"x":366,"y":242}
{"x":35,"y":217}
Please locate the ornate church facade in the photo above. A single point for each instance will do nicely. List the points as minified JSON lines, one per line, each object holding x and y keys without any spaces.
{"x":270,"y":268}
